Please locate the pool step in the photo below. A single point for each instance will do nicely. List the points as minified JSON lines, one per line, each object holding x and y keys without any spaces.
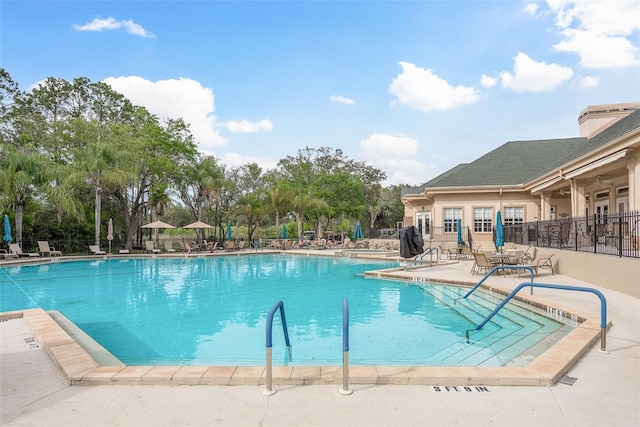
{"x":510,"y":333}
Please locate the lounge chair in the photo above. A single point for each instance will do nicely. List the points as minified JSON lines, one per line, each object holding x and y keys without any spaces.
{"x":543,"y":262}
{"x":151,"y":247}
{"x":14,"y":248}
{"x":95,"y":250}
{"x":45,"y":249}
{"x":7,"y":255}
{"x":229,"y":245}
{"x":168,"y":246}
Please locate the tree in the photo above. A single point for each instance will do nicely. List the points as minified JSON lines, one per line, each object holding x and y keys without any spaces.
{"x":199,"y":184}
{"x":20,"y":172}
{"x":97,"y":164}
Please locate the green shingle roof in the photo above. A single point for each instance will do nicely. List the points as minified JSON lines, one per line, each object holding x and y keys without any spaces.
{"x":519,"y":162}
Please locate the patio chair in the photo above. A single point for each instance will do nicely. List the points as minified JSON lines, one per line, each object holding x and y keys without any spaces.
{"x":168,"y":246}
{"x":481,"y":263}
{"x":45,"y":249}
{"x":539,"y":263}
{"x":7,"y":255}
{"x":229,"y":246}
{"x":14,"y":248}
{"x":151,"y":247}
{"x":95,"y":250}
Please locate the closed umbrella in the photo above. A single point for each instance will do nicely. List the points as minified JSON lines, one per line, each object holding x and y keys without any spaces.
{"x":460,"y":239}
{"x":7,"y":230}
{"x":110,"y":232}
{"x":284,"y":231}
{"x":499,"y":231}
{"x":357,"y":233}
{"x":229,"y":230}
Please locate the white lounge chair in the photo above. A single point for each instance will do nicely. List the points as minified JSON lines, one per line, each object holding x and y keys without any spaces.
{"x":14,"y":248}
{"x":45,"y":249}
{"x":168,"y":246}
{"x":95,"y":250}
{"x":151,"y":247}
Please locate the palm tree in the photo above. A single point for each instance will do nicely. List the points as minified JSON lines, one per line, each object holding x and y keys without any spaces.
{"x":20,"y":172}
{"x":97,"y":165}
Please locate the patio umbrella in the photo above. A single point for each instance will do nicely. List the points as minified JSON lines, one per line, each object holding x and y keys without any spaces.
{"x":157,"y":224}
{"x":284,"y":231}
{"x":198,"y":225}
{"x":228,"y":230}
{"x":357,"y":233}
{"x":110,"y":232}
{"x":460,"y":239}
{"x":499,"y":231}
{"x":7,"y":230}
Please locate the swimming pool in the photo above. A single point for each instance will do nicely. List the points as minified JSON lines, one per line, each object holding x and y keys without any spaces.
{"x":212,"y":311}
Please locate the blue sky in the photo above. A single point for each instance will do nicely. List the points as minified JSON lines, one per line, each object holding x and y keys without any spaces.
{"x":413,"y":88}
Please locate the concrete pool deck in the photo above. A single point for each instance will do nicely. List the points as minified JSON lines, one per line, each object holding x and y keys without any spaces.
{"x":606,"y":392}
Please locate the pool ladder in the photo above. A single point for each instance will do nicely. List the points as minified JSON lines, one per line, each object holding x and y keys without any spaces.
{"x":269,"y":390}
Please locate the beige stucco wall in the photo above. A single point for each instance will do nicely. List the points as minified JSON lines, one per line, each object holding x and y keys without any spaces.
{"x":610,"y":272}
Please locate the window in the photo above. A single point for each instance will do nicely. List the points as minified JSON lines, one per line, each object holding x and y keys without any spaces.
{"x":513,"y":216}
{"x":451,"y":215}
{"x":482,"y":220}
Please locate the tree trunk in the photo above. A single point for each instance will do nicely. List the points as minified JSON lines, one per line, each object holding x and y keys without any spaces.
{"x":97,"y":214}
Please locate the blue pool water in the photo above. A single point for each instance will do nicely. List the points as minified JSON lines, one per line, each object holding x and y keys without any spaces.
{"x":212,"y":311}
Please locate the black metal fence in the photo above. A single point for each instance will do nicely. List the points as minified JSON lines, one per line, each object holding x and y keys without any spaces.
{"x":612,"y":234}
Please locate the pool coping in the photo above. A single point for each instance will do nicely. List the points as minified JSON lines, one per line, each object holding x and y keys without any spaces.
{"x":80,"y":368}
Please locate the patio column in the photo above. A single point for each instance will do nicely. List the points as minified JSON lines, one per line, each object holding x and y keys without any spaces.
{"x":633,"y":177}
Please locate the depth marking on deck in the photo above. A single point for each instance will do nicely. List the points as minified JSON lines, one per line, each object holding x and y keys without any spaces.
{"x":460,"y":389}
{"x":32,"y":343}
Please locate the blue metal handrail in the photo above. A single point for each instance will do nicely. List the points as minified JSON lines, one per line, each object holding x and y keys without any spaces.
{"x":603,"y":307}
{"x":269,"y":343}
{"x":256,"y":245}
{"x":345,"y":324}
{"x":427,"y":252}
{"x":277,"y":305}
{"x":345,"y":347}
{"x":493,"y":270}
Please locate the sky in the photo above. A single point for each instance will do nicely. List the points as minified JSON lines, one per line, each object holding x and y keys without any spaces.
{"x":413,"y":88}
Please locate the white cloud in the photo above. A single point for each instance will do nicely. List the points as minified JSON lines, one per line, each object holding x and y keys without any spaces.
{"x":342,"y":99}
{"x":597,"y":50}
{"x":112,"y":24}
{"x":245,"y":126}
{"x":598,"y":31}
{"x":589,"y":81}
{"x":234,"y":160}
{"x":487,"y":81}
{"x":532,"y":76}
{"x":396,"y":155}
{"x":423,"y":90}
{"x":531,"y":9}
{"x":175,"y":98}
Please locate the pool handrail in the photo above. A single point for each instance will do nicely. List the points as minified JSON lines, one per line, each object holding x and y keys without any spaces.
{"x":256,"y":246}
{"x":269,"y":344}
{"x":493,"y":270}
{"x":428,"y":251}
{"x":345,"y":348}
{"x":276,"y":306}
{"x":603,"y":307}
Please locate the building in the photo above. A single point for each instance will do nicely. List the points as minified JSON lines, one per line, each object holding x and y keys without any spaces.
{"x":597,"y":173}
